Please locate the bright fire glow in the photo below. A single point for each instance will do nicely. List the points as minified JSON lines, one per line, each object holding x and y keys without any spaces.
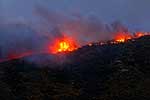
{"x":139,"y":34}
{"x":122,"y":37}
{"x":64,"y":44}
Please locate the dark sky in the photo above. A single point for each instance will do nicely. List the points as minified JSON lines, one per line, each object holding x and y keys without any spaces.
{"x":134,"y":13}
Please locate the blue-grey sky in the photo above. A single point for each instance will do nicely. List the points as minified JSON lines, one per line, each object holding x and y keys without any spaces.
{"x":134,"y":13}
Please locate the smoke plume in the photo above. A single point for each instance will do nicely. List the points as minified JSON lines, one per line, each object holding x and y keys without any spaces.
{"x":19,"y":37}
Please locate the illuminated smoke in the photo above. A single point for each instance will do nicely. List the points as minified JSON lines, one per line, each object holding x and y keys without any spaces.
{"x":21,"y":39}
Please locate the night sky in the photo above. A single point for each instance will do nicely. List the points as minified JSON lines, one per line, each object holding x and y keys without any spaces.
{"x":133,"y":13}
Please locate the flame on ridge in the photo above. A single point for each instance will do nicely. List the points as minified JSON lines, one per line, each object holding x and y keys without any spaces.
{"x":64,"y":44}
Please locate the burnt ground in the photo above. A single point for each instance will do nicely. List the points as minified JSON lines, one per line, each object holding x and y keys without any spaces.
{"x":108,"y":72}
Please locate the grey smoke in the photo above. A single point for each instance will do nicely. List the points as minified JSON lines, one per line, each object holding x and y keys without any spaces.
{"x":82,"y":28}
{"x":15,"y":38}
{"x":134,"y":13}
{"x":33,"y":24}
{"x":21,"y":36}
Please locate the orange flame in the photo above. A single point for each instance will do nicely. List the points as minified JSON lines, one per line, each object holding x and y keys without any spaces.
{"x":64,"y":44}
{"x":139,"y":34}
{"x":122,"y":37}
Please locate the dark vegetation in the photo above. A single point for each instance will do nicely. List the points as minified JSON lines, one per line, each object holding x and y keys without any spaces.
{"x":108,"y":72}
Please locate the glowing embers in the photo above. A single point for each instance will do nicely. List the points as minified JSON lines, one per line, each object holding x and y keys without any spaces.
{"x":139,"y":34}
{"x":122,"y":37}
{"x":64,"y":44}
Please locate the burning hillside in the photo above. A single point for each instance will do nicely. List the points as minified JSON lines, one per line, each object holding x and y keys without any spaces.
{"x":70,"y":44}
{"x":55,"y":33}
{"x":67,"y":44}
{"x":122,"y":37}
{"x":108,"y":71}
{"x":63,"y":44}
{"x":74,"y":50}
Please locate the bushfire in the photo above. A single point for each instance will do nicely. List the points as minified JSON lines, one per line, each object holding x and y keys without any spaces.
{"x":68,"y":44}
{"x":122,"y":37}
{"x":64,"y":44}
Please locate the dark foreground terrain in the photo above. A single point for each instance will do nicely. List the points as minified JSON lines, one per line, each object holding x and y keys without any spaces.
{"x":108,"y":72}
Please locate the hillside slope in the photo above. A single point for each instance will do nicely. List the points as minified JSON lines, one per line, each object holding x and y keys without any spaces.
{"x":108,"y":72}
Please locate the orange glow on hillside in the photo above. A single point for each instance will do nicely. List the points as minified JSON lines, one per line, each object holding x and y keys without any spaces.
{"x":122,"y":37}
{"x":64,"y":44}
{"x":139,"y":34}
